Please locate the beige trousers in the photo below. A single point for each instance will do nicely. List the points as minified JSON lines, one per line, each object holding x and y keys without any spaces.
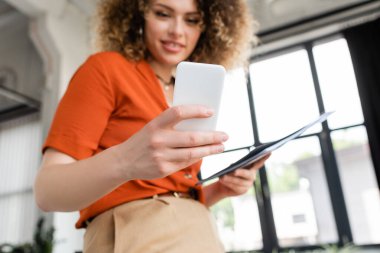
{"x":163,"y":224}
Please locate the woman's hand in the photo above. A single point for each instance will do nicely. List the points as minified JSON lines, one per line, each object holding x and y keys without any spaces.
{"x":239,"y":181}
{"x":158,"y":150}
{"x":235,"y":183}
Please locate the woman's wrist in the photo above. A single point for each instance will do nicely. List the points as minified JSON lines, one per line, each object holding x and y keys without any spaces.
{"x":213,"y":194}
{"x":119,"y":163}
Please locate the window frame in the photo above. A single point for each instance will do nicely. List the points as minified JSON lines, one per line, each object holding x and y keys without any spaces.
{"x":261,"y":185}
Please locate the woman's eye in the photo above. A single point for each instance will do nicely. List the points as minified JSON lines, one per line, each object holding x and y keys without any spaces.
{"x":193,"y":21}
{"x":161,"y":14}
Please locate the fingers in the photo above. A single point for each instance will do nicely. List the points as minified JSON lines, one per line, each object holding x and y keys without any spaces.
{"x":244,"y":174}
{"x":182,"y":139}
{"x":163,"y":135}
{"x":175,"y":114}
{"x":241,"y":177}
{"x":196,"y":153}
{"x":237,"y":184}
{"x":238,"y":189}
{"x":239,"y":181}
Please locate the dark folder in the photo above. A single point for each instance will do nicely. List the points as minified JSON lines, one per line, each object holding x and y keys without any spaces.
{"x":265,"y":149}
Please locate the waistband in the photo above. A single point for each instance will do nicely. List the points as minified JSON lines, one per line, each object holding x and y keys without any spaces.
{"x":185,"y":195}
{"x":191,"y":194}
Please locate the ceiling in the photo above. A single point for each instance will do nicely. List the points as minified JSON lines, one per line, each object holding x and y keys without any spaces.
{"x":274,"y":14}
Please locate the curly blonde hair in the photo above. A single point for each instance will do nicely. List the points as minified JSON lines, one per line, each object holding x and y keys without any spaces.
{"x":227,"y":37}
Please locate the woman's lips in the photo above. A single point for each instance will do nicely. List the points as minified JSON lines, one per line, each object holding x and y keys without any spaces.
{"x":172,"y":46}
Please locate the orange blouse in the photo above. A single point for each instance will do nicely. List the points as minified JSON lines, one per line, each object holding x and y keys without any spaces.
{"x":108,"y":100}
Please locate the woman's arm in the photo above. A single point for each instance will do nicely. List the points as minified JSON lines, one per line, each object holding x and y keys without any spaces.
{"x":157,"y":150}
{"x":65,"y":184}
{"x":235,"y":183}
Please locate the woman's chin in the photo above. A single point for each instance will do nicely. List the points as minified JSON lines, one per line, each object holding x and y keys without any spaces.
{"x":173,"y":61}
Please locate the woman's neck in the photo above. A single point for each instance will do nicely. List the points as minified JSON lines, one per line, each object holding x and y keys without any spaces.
{"x":163,"y":71}
{"x":164,"y":74}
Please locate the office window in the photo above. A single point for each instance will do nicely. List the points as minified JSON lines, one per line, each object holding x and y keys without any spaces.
{"x":359,"y":183}
{"x":298,"y":188}
{"x":338,"y":85}
{"x":340,"y":93}
{"x":285,"y":99}
{"x":288,"y":89}
{"x":283,"y":94}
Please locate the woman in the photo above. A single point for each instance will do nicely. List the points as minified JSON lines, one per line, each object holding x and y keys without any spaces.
{"x":112,"y":152}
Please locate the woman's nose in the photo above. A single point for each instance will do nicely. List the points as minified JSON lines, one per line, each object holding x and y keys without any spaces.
{"x":176,"y":27}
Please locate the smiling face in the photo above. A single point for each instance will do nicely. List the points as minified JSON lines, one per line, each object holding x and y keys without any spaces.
{"x":172,"y":30}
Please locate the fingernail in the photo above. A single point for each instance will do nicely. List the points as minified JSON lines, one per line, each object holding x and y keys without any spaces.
{"x":224,"y":137}
{"x":209,"y":111}
{"x":220,"y":148}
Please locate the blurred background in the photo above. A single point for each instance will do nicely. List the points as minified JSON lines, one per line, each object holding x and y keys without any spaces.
{"x":313,"y":56}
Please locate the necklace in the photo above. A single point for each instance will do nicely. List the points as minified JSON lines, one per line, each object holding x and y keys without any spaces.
{"x":166,"y":84}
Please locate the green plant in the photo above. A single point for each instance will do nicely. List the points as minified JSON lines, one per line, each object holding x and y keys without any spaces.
{"x":42,"y":242}
{"x":348,"y":248}
{"x":329,"y":248}
{"x":43,"y":239}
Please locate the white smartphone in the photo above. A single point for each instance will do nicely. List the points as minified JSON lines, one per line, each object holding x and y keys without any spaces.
{"x":201,"y":84}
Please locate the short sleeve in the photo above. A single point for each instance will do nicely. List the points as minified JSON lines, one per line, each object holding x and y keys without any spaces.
{"x":83,"y":112}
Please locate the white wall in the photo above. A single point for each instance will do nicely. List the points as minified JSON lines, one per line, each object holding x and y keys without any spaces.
{"x":61,"y":33}
{"x":20,"y":139}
